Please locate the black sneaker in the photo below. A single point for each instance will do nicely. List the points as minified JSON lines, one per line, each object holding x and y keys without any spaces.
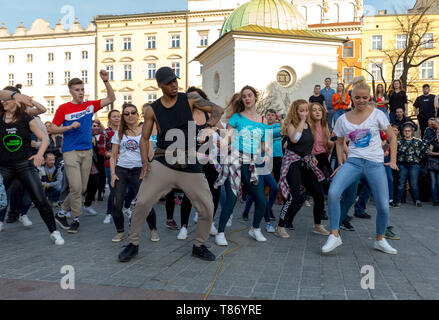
{"x":289,"y":225}
{"x":128,"y":253}
{"x":74,"y":227}
{"x":11,"y":219}
{"x":203,"y":253}
{"x":396,"y":205}
{"x":346,"y":225}
{"x":348,"y":219}
{"x":362,"y":216}
{"x":325,"y":216}
{"x":62,"y":222}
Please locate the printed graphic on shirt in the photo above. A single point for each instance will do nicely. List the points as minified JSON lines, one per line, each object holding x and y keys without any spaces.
{"x":12,"y":141}
{"x":130,"y":145}
{"x":361,"y":137}
{"x":78,"y":115}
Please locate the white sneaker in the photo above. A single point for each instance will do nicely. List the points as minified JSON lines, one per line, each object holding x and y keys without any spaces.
{"x":56,"y":237}
{"x":213,"y":230}
{"x":257,"y":234}
{"x":127,"y":212}
{"x":229,"y":222}
{"x":182,"y":235}
{"x":332,"y":243}
{"x":25,"y":220}
{"x":220,"y":239}
{"x":196,"y":217}
{"x":1,"y":226}
{"x":90,"y":211}
{"x":269,"y":227}
{"x":384,"y":246}
{"x":107,"y":218}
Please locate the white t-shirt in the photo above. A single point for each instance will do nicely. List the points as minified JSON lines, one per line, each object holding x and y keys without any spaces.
{"x":129,"y":151}
{"x":364,"y":139}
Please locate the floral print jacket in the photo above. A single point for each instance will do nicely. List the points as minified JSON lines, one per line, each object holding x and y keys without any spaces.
{"x":411,"y":151}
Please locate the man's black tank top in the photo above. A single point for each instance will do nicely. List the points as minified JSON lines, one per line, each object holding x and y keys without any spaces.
{"x":176,"y":117}
{"x":305,"y":144}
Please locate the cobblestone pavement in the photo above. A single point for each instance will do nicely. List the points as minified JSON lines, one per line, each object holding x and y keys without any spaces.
{"x":277,"y":269}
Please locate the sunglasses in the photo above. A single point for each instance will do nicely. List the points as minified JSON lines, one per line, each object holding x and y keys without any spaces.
{"x":130,"y":113}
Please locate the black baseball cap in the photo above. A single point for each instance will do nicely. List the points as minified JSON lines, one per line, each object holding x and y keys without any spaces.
{"x":165,"y":75}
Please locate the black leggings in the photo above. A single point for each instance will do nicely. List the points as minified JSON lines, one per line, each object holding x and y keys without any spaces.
{"x":126,"y":177}
{"x":325,"y":167}
{"x":277,"y":164}
{"x":299,"y":175}
{"x":27,"y":174}
{"x":170,"y":203}
{"x":92,"y":188}
{"x":186,"y":205}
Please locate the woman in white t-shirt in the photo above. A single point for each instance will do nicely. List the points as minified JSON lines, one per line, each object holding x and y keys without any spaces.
{"x":126,"y":166}
{"x":365,"y":160}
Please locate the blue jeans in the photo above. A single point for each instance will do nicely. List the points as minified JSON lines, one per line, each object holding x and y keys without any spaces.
{"x":363,"y":199}
{"x":410,"y":172}
{"x":271,"y":183}
{"x":52,"y":194}
{"x":389,"y":174}
{"x":223,"y":197}
{"x":257,"y":191}
{"x":434,"y":183}
{"x":330,"y":117}
{"x":348,"y":200}
{"x":338,"y":114}
{"x":375,"y":175}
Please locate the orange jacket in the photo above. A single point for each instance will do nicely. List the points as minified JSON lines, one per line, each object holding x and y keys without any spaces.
{"x":341,"y":104}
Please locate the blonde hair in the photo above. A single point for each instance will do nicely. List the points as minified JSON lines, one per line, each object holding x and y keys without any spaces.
{"x":323,"y":123}
{"x":360,"y":83}
{"x":293,"y":116}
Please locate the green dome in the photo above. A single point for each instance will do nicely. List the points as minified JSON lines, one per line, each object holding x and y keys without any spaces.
{"x":277,"y":14}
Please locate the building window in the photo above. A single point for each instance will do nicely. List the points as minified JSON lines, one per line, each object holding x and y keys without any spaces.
{"x":348,"y":49}
{"x":126,"y":43}
{"x":11,"y":80}
{"x":68,"y":56}
{"x":377,"y":42}
{"x":176,"y":67}
{"x":127,"y":99}
{"x":51,"y":56}
{"x":127,"y":72}
{"x":108,"y":44}
{"x":66,"y":77}
{"x":151,"y":42}
{"x":348,"y":75}
{"x":29,"y":79}
{"x":375,"y":69}
{"x":427,"y":41}
{"x":175,"y":41}
{"x":110,"y":70}
{"x":11,"y":59}
{"x":399,"y":68}
{"x":84,"y":55}
{"x":204,"y":39}
{"x":84,"y":76}
{"x":427,"y":70}
{"x":30,"y":58}
{"x":151,"y":70}
{"x":401,"y":41}
{"x":50,"y":106}
{"x":50,"y":78}
{"x":151,"y":97}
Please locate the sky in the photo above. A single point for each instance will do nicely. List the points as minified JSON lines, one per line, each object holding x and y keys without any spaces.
{"x":12,"y":12}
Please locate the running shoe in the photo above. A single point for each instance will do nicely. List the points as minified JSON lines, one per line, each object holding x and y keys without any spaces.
{"x":203,"y":253}
{"x":74,"y":227}
{"x":172,"y":225}
{"x":62,"y":222}
{"x":391,"y":235}
{"x":346,"y":225}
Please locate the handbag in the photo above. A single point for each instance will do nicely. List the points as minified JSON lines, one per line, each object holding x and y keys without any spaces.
{"x":433,"y":164}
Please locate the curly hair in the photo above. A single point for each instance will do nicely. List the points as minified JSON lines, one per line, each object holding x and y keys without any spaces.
{"x":293,"y":115}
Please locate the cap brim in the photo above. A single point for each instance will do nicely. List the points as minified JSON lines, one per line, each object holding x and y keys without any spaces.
{"x":170,"y":79}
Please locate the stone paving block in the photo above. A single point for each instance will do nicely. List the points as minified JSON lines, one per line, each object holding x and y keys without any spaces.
{"x":262,"y":295}
{"x":285,"y":295}
{"x":263,"y":287}
{"x":240,"y":291}
{"x":358,"y":295}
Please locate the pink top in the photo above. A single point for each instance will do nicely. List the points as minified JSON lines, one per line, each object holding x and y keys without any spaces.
{"x":319,"y":144}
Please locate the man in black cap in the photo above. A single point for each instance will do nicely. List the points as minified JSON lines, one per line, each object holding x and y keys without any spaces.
{"x":173,"y":111}
{"x":424,"y":108}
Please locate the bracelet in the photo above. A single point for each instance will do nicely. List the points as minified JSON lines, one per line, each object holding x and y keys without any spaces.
{"x":105,"y":81}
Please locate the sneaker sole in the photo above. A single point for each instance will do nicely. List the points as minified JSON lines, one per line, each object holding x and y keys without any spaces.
{"x":382,"y":250}
{"x":127,"y":260}
{"x":62,"y":225}
{"x":392,"y":238}
{"x":155,"y":240}
{"x":116,"y":241}
{"x":320,"y":233}
{"x":338,"y":245}
{"x":205,"y":259}
{"x":280,"y":236}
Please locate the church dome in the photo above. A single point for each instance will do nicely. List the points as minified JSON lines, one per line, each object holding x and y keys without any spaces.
{"x":277,"y":14}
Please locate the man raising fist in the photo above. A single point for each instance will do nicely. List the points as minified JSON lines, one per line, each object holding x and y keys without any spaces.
{"x":74,"y":120}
